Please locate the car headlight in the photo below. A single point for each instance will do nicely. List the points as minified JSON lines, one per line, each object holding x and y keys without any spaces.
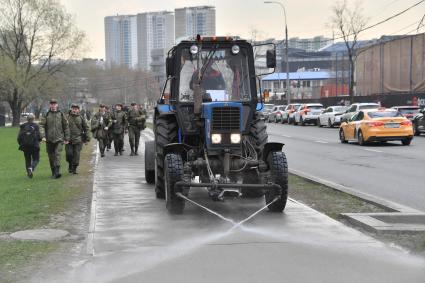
{"x":235,"y":138}
{"x":216,"y":138}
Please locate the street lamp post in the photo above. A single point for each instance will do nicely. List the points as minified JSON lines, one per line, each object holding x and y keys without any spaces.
{"x":288,"y":88}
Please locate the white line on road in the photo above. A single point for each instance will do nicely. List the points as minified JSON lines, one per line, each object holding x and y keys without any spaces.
{"x":321,"y":141}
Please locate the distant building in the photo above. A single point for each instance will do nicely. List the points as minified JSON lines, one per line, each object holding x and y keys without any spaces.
{"x":155,"y":33}
{"x":309,"y":44}
{"x":191,"y":21}
{"x":121,"y":40}
{"x":304,"y":84}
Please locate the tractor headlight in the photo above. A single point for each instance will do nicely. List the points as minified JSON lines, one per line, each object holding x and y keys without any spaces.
{"x":235,"y":49}
{"x":216,"y":138}
{"x":194,"y":49}
{"x":235,"y":138}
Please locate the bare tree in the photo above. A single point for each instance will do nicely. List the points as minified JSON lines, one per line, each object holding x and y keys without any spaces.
{"x":349,"y":21}
{"x":37,"y":38}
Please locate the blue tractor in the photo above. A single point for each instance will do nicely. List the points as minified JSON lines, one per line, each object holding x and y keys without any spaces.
{"x":209,"y":130}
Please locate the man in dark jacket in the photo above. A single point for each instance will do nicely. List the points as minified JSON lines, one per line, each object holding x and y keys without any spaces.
{"x":54,"y":130}
{"x":136,"y":123}
{"x":79,"y":134}
{"x":29,"y":142}
{"x":100,"y":124}
{"x":119,"y":120}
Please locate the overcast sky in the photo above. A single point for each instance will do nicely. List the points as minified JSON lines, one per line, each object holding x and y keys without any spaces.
{"x":306,"y":18}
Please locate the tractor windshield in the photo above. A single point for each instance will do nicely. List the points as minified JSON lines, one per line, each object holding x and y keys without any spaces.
{"x":223,"y":74}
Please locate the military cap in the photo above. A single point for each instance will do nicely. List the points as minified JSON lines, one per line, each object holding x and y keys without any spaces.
{"x":102,"y":105}
{"x":133,"y":104}
{"x":53,"y":101}
{"x":75,"y":106}
{"x":118,"y":104}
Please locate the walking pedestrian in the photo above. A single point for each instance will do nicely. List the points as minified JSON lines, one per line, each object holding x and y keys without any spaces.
{"x":119,"y":127}
{"x":136,"y":123}
{"x":110,"y":136}
{"x":100,"y":124}
{"x":54,"y":130}
{"x":29,"y":142}
{"x":79,"y":135}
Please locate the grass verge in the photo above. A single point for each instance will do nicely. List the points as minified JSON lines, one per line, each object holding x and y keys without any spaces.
{"x":33,"y":203}
{"x":332,"y":203}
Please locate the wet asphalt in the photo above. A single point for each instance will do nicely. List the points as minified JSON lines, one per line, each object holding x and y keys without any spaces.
{"x":135,"y":239}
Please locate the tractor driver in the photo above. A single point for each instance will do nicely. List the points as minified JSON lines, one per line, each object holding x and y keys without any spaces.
{"x":212,"y":79}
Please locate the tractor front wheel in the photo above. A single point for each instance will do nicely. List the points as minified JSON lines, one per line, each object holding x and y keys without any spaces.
{"x":279,"y":175}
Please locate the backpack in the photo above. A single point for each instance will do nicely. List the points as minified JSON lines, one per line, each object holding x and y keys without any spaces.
{"x":28,"y":136}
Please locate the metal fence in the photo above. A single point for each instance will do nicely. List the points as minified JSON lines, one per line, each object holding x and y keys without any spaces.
{"x":391,"y":67}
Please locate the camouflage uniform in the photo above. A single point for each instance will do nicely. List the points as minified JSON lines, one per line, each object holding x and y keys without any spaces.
{"x":119,"y":119}
{"x":136,"y":123}
{"x":100,"y":124}
{"x":55,"y":129}
{"x":79,"y":134}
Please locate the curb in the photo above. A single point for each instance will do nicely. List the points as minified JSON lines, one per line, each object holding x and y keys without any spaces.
{"x":388,"y":205}
{"x":92,"y":225}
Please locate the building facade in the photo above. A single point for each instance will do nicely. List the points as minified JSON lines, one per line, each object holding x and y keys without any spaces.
{"x":191,"y":21}
{"x":155,"y":37}
{"x":309,"y":44}
{"x":121,"y":40}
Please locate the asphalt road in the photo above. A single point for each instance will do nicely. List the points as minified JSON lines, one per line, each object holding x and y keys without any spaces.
{"x":135,"y":239}
{"x":389,"y":171}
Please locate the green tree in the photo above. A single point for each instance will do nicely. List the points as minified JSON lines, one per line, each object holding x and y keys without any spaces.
{"x":37,"y":39}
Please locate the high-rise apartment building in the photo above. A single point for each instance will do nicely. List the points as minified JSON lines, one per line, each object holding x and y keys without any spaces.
{"x":121,"y":40}
{"x":309,"y":44}
{"x":155,"y":37}
{"x":191,"y":21}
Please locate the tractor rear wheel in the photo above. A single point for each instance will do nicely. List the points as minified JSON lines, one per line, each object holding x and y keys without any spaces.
{"x":279,"y":175}
{"x":149,"y":162}
{"x":166,"y":132}
{"x":173,"y":169}
{"x":258,"y":134}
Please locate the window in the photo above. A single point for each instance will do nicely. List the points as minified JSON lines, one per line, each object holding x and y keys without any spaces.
{"x":382,"y":114}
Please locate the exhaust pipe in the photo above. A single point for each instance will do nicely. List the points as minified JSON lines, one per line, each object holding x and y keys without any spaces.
{"x":229,"y":194}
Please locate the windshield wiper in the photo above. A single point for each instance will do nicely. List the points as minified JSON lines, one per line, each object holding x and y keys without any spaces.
{"x":205,"y":66}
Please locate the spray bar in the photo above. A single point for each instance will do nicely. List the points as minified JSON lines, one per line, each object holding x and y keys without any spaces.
{"x":227,"y":185}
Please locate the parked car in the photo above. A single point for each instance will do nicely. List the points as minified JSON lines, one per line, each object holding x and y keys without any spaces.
{"x":308,"y":113}
{"x":267,"y":109}
{"x":288,"y":110}
{"x":276,"y":114}
{"x":291,"y":115}
{"x":331,"y":116}
{"x":356,"y":107}
{"x":372,"y":125}
{"x":408,"y":111}
{"x":419,"y":123}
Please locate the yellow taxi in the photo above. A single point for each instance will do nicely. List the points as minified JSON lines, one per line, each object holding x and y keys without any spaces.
{"x":372,"y":125}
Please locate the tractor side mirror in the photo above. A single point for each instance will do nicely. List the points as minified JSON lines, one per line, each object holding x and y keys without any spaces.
{"x":169,"y":66}
{"x":271,"y":58}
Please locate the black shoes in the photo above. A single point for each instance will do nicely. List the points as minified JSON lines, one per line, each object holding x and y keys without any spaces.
{"x":29,"y":173}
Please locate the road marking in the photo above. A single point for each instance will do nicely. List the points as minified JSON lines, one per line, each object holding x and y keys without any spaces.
{"x":321,"y":141}
{"x":286,"y":136}
{"x":372,"y":150}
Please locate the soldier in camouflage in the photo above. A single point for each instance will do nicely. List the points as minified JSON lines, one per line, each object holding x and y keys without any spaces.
{"x":79,"y":134}
{"x":54,"y":130}
{"x":100,"y":124}
{"x":136,"y":123}
{"x":119,"y":127}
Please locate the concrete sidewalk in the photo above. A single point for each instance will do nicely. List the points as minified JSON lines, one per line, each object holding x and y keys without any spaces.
{"x":134,"y":239}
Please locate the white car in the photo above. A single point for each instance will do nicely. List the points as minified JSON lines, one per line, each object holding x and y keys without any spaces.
{"x":331,"y":116}
{"x":308,"y":113}
{"x":356,"y":107}
{"x":291,"y":115}
{"x":291,"y":108}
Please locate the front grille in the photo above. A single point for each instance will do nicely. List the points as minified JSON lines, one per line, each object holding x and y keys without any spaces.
{"x":226,"y":118}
